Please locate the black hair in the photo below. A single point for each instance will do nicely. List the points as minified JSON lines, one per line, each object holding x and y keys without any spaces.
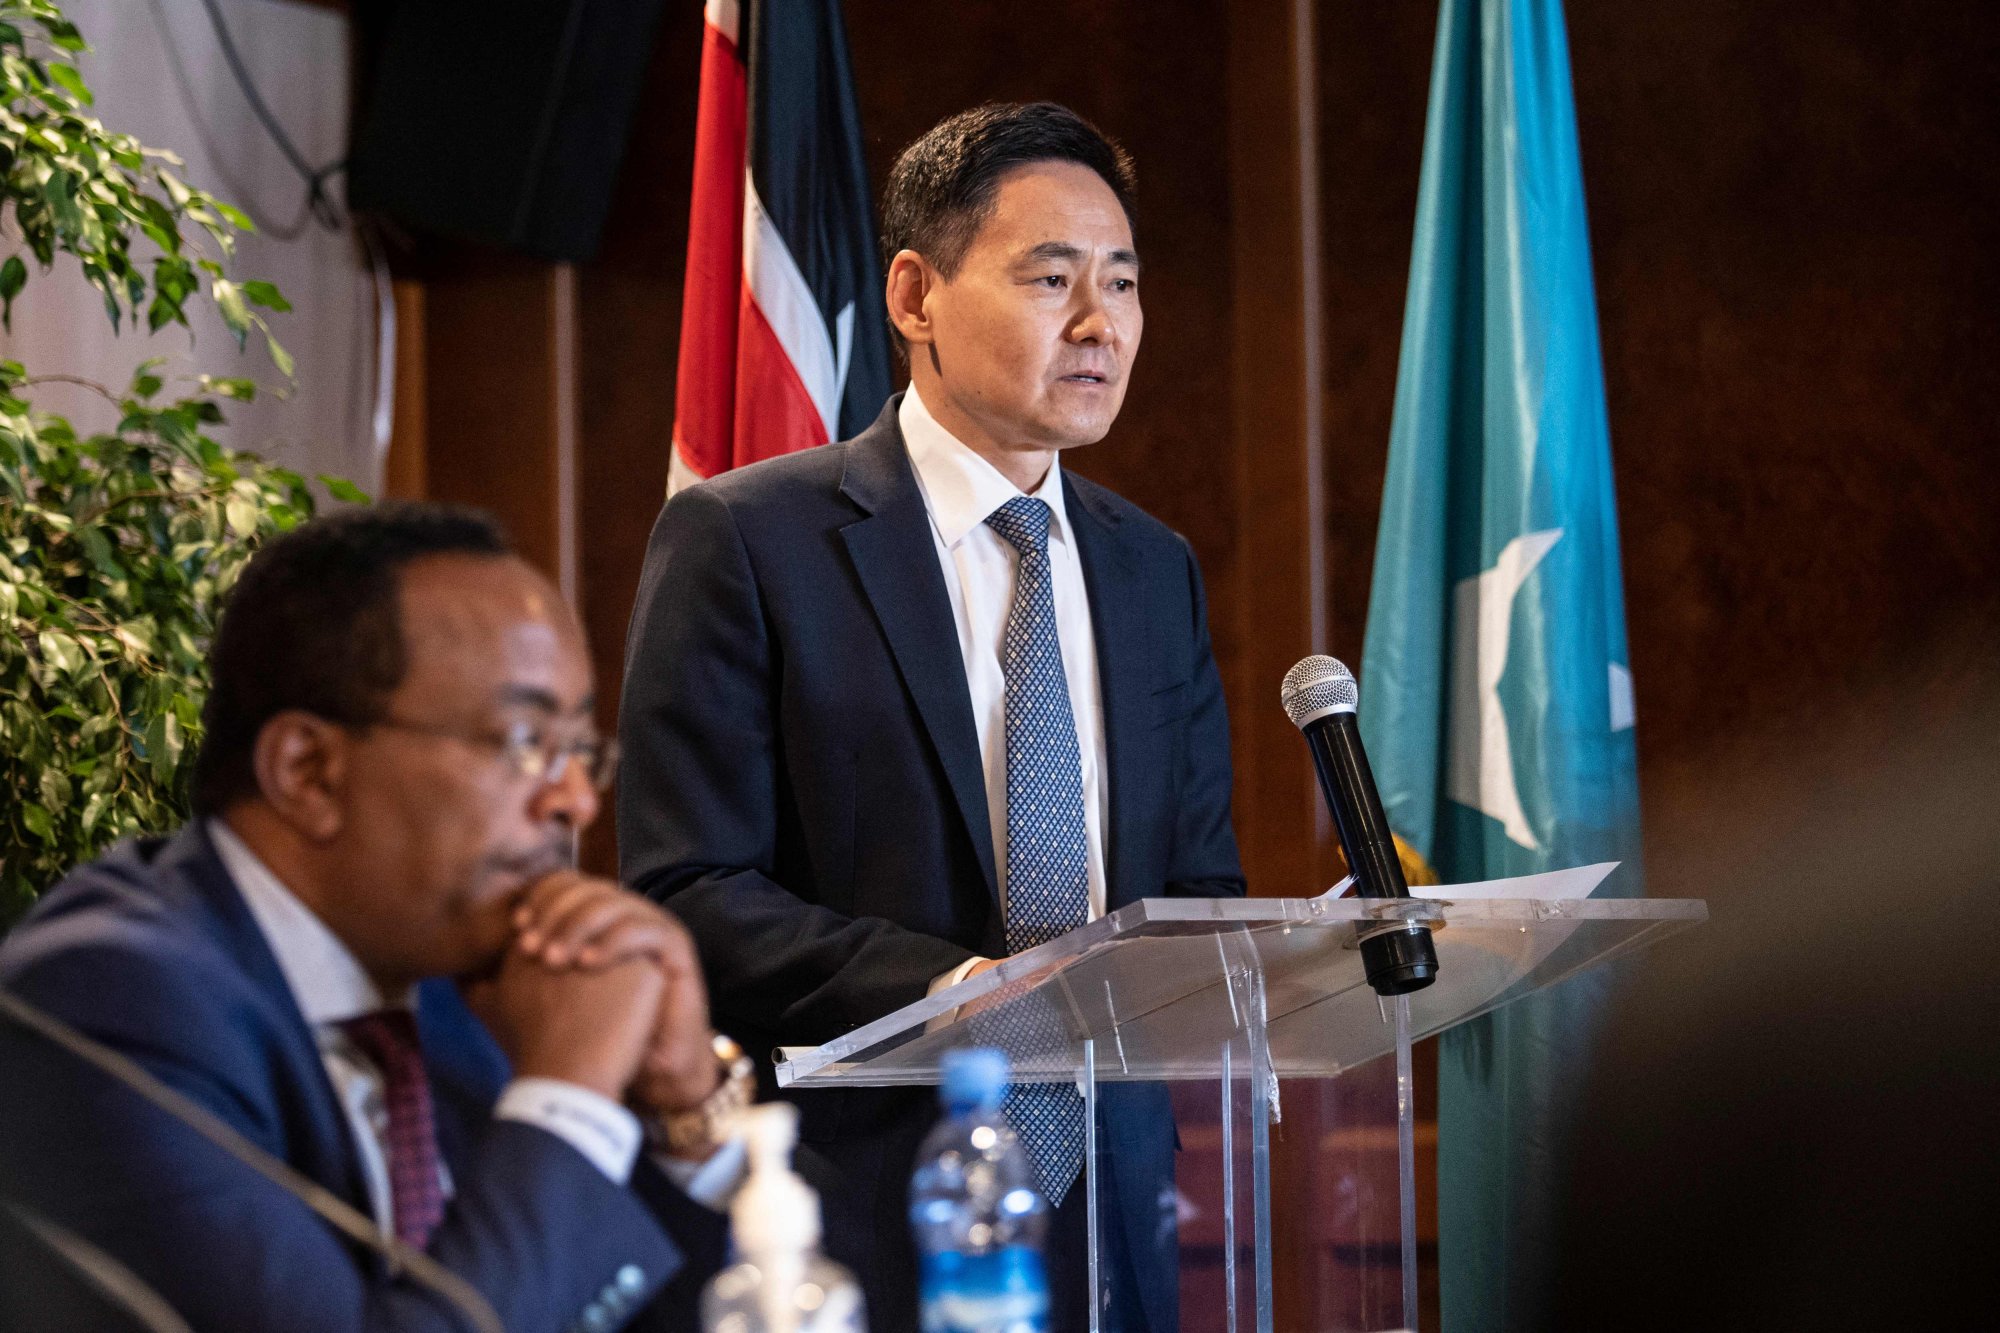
{"x":941,"y":187}
{"x":314,"y":623}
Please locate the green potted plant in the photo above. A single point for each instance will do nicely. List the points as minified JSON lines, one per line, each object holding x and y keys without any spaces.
{"x":115,"y":546}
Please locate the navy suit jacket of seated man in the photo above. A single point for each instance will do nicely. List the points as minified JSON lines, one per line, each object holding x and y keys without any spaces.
{"x":871,"y":745}
{"x":398,"y":756}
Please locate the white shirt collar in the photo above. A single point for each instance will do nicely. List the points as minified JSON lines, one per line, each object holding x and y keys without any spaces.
{"x":960,"y":488}
{"x":327,"y":981}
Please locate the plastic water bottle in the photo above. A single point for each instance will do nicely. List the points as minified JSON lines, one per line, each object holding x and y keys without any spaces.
{"x":783,"y":1284}
{"x":978,"y":1218}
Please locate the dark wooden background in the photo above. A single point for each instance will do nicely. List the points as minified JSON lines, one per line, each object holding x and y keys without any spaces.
{"x":1792,"y":213}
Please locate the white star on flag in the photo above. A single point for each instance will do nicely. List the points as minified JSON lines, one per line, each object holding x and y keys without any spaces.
{"x":1482,"y":760}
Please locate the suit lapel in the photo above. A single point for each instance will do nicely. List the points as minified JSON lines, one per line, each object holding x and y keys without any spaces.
{"x":1111,"y":576}
{"x":467,"y":1069}
{"x":896,"y":560}
{"x":323,"y":1145}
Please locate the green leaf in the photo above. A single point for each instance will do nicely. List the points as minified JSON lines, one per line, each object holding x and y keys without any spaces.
{"x":72,"y":83}
{"x":13,"y":277}
{"x":177,"y":192}
{"x":342,"y":489}
{"x":60,"y":193}
{"x":241,"y":390}
{"x":37,"y":820}
{"x":266,"y":294}
{"x":54,"y":788}
{"x":63,"y":33}
{"x":242,"y":515}
{"x":229,"y":304}
{"x":98,"y":548}
{"x":280,"y":358}
{"x":163,"y":746}
{"x":61,"y":654}
{"x":137,"y":635}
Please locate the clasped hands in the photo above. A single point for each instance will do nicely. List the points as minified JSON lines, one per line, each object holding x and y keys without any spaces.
{"x":601,"y":988}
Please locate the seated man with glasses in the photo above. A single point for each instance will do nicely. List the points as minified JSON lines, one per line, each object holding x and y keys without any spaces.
{"x":369,"y":956}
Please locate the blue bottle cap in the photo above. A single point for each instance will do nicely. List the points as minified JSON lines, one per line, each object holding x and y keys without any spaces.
{"x":975,"y":1075}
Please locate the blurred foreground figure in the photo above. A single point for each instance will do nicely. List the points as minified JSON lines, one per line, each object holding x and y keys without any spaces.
{"x":367,"y":956}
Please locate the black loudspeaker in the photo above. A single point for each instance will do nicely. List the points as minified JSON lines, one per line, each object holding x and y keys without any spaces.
{"x":501,"y":120}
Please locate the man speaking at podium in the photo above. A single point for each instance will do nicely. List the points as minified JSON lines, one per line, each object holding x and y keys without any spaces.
{"x":908,"y":703}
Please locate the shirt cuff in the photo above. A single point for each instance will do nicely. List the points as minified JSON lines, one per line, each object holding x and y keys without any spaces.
{"x":712,"y":1182}
{"x":943,"y":981}
{"x":603,"y":1131}
{"x":946,"y":980}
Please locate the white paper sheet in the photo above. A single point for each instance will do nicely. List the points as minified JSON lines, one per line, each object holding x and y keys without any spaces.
{"x":1554,"y":885}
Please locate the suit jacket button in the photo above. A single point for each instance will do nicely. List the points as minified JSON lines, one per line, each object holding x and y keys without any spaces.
{"x":631,"y":1279}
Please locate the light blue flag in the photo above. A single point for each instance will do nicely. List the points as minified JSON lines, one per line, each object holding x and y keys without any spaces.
{"x":1496,"y":697}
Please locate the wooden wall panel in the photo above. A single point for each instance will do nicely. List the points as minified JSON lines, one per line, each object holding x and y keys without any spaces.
{"x":1375,"y":74}
{"x":405,"y":474}
{"x":1273,"y":612}
{"x":497,"y":432}
{"x":630,"y":320}
{"x":1793,"y":212}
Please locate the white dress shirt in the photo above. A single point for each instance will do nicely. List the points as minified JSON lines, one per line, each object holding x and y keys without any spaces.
{"x":960,"y":489}
{"x":330,"y":987}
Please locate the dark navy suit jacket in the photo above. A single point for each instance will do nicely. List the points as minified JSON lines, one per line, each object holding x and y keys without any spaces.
{"x":153,"y":952}
{"x":802,"y":779}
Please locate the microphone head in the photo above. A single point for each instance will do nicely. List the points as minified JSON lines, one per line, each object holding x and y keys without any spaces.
{"x":1317,"y":686}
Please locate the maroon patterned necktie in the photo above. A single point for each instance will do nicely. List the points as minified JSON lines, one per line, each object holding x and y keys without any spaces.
{"x":416,"y":1185}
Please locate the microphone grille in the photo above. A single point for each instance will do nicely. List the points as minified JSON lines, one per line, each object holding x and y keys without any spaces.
{"x":1317,"y":686}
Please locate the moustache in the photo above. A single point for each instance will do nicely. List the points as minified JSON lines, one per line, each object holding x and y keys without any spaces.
{"x":525,"y":867}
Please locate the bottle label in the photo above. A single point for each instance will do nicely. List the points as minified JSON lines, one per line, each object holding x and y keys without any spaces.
{"x":1003,"y":1292}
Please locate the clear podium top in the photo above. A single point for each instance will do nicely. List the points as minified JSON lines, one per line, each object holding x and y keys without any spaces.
{"x":1162,"y":987}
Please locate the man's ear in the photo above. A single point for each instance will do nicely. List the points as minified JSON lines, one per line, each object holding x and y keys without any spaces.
{"x":302,"y":763}
{"x":907,"y":292}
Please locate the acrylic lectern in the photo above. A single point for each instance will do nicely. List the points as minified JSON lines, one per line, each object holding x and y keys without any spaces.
{"x":1276,"y":1056}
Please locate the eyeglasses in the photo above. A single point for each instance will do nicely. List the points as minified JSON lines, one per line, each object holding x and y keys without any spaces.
{"x":529,"y":751}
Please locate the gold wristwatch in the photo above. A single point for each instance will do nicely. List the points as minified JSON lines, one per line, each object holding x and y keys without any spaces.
{"x":703,"y":1126}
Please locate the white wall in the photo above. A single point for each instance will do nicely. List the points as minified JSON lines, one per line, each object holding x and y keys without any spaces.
{"x":298,"y":56}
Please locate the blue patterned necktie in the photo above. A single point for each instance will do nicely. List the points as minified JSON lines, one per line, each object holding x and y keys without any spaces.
{"x":1048,"y":877}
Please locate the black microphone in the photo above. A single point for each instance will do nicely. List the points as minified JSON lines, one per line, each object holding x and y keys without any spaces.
{"x":1319,"y":695}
